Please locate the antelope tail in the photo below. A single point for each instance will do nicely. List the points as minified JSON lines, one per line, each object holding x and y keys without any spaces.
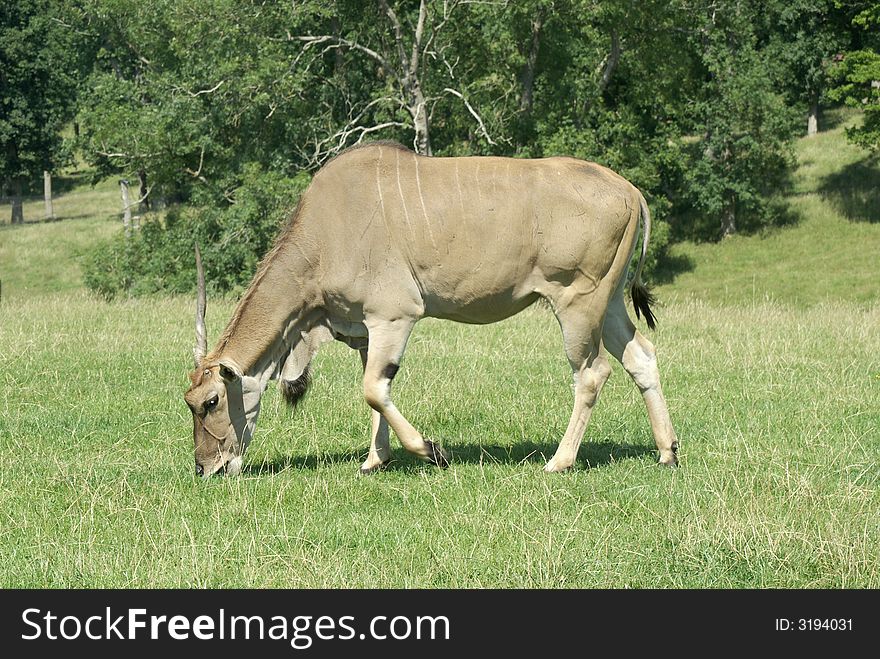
{"x":642,"y":298}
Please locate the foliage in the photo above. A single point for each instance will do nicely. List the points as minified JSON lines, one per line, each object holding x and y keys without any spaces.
{"x":188,"y":95}
{"x":696,"y":103}
{"x":858,"y":79}
{"x":799,"y":40}
{"x":159,"y":257}
{"x":41,"y":60}
{"x":744,"y":154}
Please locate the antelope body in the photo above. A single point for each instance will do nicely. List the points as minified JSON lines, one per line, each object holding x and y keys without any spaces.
{"x":384,"y":237}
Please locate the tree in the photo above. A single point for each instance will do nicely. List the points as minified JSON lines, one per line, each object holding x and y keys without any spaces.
{"x":799,"y":39}
{"x":413,"y":64}
{"x":695,"y":102}
{"x":40,"y":61}
{"x":858,"y":78}
{"x":184,"y":97}
{"x":745,"y":126}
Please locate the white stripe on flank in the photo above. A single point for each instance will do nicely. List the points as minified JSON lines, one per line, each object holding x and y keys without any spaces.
{"x":477,"y":179}
{"x":400,"y":189}
{"x":422,"y":200}
{"x":379,"y":188}
{"x":458,"y":185}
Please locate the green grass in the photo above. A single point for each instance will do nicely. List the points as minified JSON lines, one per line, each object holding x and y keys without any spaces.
{"x":771,"y":369}
{"x":831,"y":253}
{"x":778,"y":485}
{"x":74,"y":198}
{"x":43,"y":258}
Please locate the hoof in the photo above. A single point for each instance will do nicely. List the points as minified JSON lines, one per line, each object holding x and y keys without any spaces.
{"x":367,"y":471}
{"x":553,"y":467}
{"x":436,"y":455}
{"x":670,"y":459}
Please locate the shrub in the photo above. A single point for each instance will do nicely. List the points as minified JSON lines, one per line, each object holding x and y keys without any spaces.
{"x":232,"y":238}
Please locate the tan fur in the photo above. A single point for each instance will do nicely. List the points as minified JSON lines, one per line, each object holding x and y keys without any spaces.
{"x":384,"y":237}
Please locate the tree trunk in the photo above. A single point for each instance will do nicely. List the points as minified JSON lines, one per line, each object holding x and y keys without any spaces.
{"x":419,"y":113}
{"x":527,"y":78}
{"x":17,"y":211}
{"x":728,"y":217}
{"x":126,"y":207}
{"x":813,"y":120}
{"x":420,"y":123}
{"x":338,"y":57}
{"x":47,"y":195}
{"x":605,"y":71}
{"x":611,"y":62}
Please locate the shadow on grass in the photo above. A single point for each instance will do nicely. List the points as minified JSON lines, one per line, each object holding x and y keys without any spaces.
{"x":592,"y":455}
{"x":854,"y":190}
{"x":64,"y":183}
{"x":670,"y":266}
{"x":28,"y":221}
{"x":32,"y":190}
{"x":277,"y":464}
{"x":834,"y":117}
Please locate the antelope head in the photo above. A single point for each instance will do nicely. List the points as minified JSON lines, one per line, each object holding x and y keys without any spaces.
{"x":224,"y":402}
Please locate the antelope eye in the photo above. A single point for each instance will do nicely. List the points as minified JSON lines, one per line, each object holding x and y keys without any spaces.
{"x":211,"y":403}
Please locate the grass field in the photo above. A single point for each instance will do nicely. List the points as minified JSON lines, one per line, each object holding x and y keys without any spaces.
{"x":44,"y":257}
{"x":771,"y":365}
{"x":831,"y":253}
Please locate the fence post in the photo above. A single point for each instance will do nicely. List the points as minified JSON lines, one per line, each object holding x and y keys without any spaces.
{"x":47,"y":195}
{"x":126,"y":207}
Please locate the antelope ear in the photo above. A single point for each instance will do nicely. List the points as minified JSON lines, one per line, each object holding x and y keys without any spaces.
{"x":229,"y":370}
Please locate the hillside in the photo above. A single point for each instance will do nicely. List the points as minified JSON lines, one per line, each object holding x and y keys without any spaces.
{"x":831,"y":251}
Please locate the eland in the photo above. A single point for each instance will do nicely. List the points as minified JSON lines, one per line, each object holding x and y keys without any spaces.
{"x":384,"y":237}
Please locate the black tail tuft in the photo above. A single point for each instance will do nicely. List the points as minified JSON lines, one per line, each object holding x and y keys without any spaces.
{"x":294,"y":390}
{"x":642,"y":301}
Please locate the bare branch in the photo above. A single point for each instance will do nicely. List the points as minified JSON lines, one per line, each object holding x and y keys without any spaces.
{"x":449,"y":67}
{"x":448,"y":8}
{"x":473,"y":114}
{"x":198,"y":173}
{"x":208,"y":91}
{"x":366,"y":131}
{"x":327,"y":147}
{"x":322,"y":153}
{"x":178,"y":88}
{"x":339,"y":42}
{"x":71,"y":27}
{"x":417,"y":41}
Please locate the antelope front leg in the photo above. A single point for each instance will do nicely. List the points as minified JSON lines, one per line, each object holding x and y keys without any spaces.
{"x":386,"y":345}
{"x":380,"y":448}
